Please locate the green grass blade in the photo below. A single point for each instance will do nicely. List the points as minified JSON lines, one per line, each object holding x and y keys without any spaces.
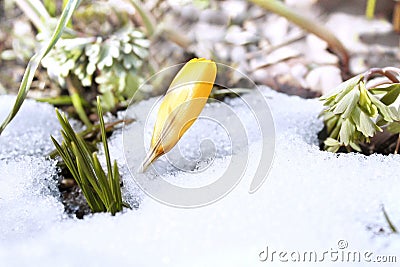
{"x":36,"y":59}
{"x":389,"y":222}
{"x":102,"y":179}
{"x":87,"y":166}
{"x":77,"y":102}
{"x":94,"y":203}
{"x":102,"y":192}
{"x":116,"y":188}
{"x":370,"y":10}
{"x":64,"y":100}
{"x":104,"y":139}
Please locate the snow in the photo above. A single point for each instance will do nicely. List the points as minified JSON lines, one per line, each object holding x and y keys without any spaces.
{"x":29,"y":197}
{"x":310,"y":201}
{"x":29,"y":132}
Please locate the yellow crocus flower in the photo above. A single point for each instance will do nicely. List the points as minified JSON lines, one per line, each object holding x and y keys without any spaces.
{"x":182,"y":104}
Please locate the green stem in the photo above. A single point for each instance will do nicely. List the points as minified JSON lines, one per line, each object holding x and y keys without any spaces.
{"x":370,"y":10}
{"x":308,"y":25}
{"x":77,"y":103}
{"x":104,"y":140}
{"x":64,"y":100}
{"x":389,"y":222}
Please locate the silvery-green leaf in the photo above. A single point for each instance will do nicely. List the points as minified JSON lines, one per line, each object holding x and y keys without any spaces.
{"x":136,"y":34}
{"x":343,"y":88}
{"x":331,"y":142}
{"x":100,"y":79}
{"x":365,"y":102}
{"x":355,"y":146}
{"x":335,"y":133}
{"x":105,"y":59}
{"x":363,"y":123}
{"x":331,"y":123}
{"x":346,"y":132}
{"x":332,"y":149}
{"x":118,"y":68}
{"x":126,"y":48}
{"x":140,"y":51}
{"x":90,"y":68}
{"x":145,"y":43}
{"x":114,"y":50}
{"x":92,"y":50}
{"x":347,"y":104}
{"x":384,"y":110}
{"x":127,"y":62}
{"x":87,"y":81}
{"x":395,"y":113}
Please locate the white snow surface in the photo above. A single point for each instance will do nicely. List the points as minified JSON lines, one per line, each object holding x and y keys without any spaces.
{"x":310,"y":201}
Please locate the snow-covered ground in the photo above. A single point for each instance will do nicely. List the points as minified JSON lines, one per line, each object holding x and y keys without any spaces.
{"x":312,"y":201}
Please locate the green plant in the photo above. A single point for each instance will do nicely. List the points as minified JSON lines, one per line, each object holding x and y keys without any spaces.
{"x":112,"y":64}
{"x":105,"y":53}
{"x":389,"y":222}
{"x":360,"y":107}
{"x":36,"y":59}
{"x":115,"y":74}
{"x":102,"y":192}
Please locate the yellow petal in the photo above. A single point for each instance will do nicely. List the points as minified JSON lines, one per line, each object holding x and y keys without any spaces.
{"x":182,"y":104}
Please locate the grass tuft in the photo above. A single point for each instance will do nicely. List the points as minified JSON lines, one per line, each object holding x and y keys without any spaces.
{"x":102,"y":191}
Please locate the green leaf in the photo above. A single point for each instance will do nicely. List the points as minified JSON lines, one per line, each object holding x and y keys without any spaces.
{"x":391,"y":96}
{"x":331,"y":122}
{"x":331,"y":142}
{"x":342,"y":89}
{"x":36,"y":59}
{"x":389,"y":222}
{"x":332,"y":149}
{"x":384,"y":110}
{"x":355,"y":146}
{"x":102,"y":192}
{"x":346,"y":132}
{"x":365,"y":102}
{"x":363,"y":123}
{"x":335,"y":132}
{"x":346,"y":105}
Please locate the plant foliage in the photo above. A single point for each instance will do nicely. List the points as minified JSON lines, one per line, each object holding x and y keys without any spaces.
{"x":113,"y":64}
{"x":357,"y":109}
{"x":36,"y":59}
{"x":100,"y":57}
{"x":102,"y":191}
